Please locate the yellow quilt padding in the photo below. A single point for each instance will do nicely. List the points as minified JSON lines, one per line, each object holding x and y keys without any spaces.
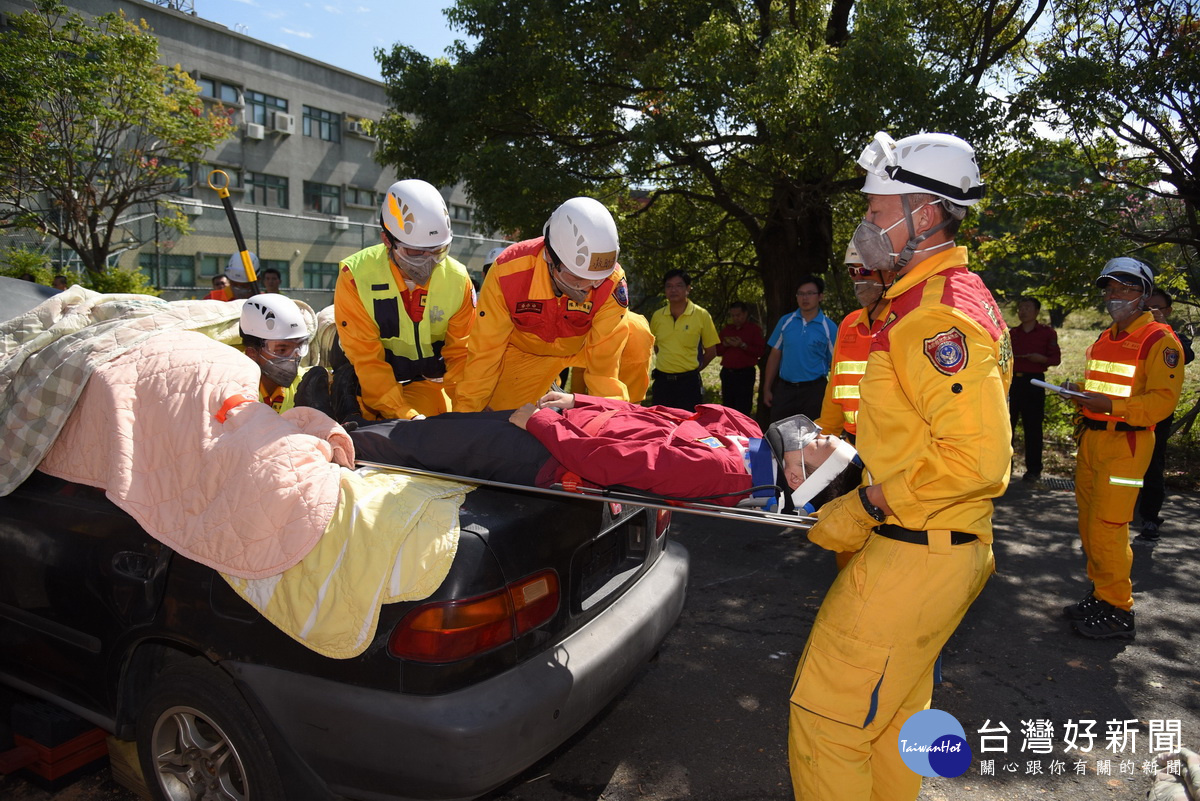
{"x":392,"y":538}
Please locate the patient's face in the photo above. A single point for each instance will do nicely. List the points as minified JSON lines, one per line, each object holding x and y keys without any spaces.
{"x":798,"y":465}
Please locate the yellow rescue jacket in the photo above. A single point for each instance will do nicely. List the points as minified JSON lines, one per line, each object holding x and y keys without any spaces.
{"x":413,"y":348}
{"x":1140,"y":368}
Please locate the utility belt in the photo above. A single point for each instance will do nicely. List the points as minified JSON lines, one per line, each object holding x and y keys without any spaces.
{"x":659,"y":375}
{"x":1109,"y":425}
{"x":894,"y":532}
{"x":801,"y":383}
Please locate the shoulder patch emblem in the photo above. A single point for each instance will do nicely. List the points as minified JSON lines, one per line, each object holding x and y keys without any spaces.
{"x":1171,"y":357}
{"x":529,"y":307}
{"x":621,"y":293}
{"x":947,"y":351}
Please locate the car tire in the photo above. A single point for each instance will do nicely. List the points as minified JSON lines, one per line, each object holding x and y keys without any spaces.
{"x":198,"y":739}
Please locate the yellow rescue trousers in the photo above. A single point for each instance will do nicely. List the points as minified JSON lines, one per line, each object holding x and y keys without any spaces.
{"x":1108,"y":475}
{"x":868,"y":664}
{"x":524,"y":377}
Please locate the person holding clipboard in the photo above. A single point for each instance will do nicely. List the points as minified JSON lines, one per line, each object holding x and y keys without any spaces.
{"x":1132,"y":379}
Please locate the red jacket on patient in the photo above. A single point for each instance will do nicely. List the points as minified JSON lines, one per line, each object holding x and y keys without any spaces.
{"x":665,"y":451}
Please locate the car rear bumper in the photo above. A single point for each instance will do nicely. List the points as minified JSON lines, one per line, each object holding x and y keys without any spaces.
{"x":373,"y":744}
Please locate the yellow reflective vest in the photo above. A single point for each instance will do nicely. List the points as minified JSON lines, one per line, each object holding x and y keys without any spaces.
{"x":412,"y":348}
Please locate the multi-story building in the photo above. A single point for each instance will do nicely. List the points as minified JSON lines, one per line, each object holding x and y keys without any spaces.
{"x":300,"y":168}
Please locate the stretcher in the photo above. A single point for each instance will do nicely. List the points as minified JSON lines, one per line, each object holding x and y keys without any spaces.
{"x":621,"y":495}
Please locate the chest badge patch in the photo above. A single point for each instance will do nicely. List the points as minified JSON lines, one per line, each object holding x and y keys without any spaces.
{"x":529,"y":307}
{"x":621,"y":293}
{"x":947,"y":351}
{"x":1171,"y":357}
{"x":711,"y":442}
{"x":585,"y":307}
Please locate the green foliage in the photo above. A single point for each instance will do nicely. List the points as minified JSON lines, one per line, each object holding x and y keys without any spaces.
{"x":747,"y":115}
{"x":93,"y":126}
{"x":121,"y":280}
{"x":19,"y":261}
{"x":1129,"y":72}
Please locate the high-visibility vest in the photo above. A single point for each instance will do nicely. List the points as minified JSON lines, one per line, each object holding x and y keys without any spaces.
{"x":850,"y":352}
{"x":1113,"y":363}
{"x":412,"y":348}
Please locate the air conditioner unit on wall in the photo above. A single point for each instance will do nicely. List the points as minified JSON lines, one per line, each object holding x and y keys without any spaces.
{"x":254,"y":130}
{"x":341,"y":223}
{"x":357,"y":127}
{"x":284,"y":123}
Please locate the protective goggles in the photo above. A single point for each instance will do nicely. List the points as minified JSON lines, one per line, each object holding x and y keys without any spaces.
{"x":857,"y":271}
{"x":879,"y":155}
{"x":284,"y":348}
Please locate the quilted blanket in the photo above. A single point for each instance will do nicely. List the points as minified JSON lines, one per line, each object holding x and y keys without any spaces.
{"x":392,"y":538}
{"x":172,"y":430}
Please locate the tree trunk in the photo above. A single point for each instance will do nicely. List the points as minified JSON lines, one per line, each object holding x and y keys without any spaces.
{"x":796,"y":240}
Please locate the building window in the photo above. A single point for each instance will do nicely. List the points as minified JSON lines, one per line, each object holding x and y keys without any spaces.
{"x":266,"y":190}
{"x":260,"y":107}
{"x":211,"y":265}
{"x":325,"y":198}
{"x":460,"y":212}
{"x":213,"y":89}
{"x":166,"y":269}
{"x":360,"y":197}
{"x":322,"y":124}
{"x":320,"y":274}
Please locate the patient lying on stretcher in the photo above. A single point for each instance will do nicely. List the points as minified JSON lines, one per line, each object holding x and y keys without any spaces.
{"x":713,"y":455}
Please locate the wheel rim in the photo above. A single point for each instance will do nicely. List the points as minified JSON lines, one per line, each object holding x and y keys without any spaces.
{"x":194,"y":759}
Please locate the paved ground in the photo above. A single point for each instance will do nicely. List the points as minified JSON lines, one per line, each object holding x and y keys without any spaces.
{"x":708,"y":719}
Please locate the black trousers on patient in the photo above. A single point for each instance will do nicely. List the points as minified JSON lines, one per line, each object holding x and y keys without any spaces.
{"x":473,"y":444}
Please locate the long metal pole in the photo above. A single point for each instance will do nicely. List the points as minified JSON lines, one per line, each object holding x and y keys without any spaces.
{"x":221,"y":187}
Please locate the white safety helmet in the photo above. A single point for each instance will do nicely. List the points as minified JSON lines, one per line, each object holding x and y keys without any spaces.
{"x":271,"y":316}
{"x":494,"y":254}
{"x":236,"y":271}
{"x":414,"y":213}
{"x":1127,"y":271}
{"x":936,"y":163}
{"x":852,"y":256}
{"x":582,"y":235}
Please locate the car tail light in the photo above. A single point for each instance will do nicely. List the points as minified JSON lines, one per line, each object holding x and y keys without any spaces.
{"x":450,"y":630}
{"x":662,"y":522}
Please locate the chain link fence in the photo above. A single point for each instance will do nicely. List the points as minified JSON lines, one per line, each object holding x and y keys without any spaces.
{"x":305,"y":250}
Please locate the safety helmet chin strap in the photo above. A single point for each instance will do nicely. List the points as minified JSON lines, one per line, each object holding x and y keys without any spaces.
{"x":910,"y":248}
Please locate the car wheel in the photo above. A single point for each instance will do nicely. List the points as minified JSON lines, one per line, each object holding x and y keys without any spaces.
{"x":199,"y":741}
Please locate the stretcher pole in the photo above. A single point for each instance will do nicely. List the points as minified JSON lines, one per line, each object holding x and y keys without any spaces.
{"x":218,"y":180}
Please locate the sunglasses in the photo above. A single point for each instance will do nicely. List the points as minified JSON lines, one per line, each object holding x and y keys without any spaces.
{"x":859,"y":272}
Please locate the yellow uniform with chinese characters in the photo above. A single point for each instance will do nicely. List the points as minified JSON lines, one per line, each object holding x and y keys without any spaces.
{"x":526,"y":334}
{"x":933,"y":431}
{"x":1141,"y":370}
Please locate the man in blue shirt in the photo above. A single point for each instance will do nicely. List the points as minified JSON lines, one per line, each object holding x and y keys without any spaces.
{"x":800,"y":355}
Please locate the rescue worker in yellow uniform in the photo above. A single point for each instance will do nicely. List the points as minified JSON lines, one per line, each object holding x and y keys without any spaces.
{"x":404,"y":310}
{"x":839,"y":408}
{"x":933,"y":433}
{"x":1132,"y":379}
{"x":275,"y":336}
{"x":545,"y":301}
{"x":635,"y":360}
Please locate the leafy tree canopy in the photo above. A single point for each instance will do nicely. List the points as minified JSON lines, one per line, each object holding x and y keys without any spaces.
{"x":1127,"y":73}
{"x":92,"y":127}
{"x":753,"y":112}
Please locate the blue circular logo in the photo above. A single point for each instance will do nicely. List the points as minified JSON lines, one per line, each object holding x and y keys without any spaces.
{"x":933,"y":743}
